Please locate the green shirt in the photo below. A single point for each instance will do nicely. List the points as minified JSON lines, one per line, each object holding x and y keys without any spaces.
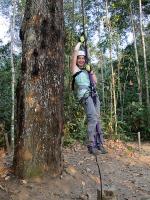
{"x":82,"y":82}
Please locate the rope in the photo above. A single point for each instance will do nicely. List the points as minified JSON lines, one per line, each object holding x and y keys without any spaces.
{"x":83,"y":21}
{"x":87,"y":60}
{"x":100,"y":178}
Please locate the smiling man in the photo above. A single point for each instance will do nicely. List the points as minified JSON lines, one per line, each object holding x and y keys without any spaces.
{"x":83,"y":77}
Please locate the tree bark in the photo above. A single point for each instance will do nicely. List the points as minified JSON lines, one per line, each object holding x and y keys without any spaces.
{"x":38,"y":147}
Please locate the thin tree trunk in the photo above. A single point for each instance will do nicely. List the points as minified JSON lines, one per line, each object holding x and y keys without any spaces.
{"x":73,"y":4}
{"x":124,"y":88}
{"x":69,"y":74}
{"x":144,"y":56}
{"x":119,"y":86}
{"x":111,"y":108}
{"x":103,"y":87}
{"x":112,"y":71}
{"x":38,"y":147}
{"x":102,"y":64}
{"x":13,"y":76}
{"x":71,"y":45}
{"x":119,"y":91}
{"x":137,"y":68}
{"x":2,"y":131}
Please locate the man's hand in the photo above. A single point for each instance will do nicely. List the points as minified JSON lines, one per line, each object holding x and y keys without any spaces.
{"x":88,"y":68}
{"x":82,"y":39}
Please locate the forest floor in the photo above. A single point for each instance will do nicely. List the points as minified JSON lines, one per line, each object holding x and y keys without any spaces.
{"x":125,"y":176}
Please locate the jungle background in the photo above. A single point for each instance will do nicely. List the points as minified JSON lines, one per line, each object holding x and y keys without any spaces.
{"x":118,"y":38}
{"x":118,"y":56}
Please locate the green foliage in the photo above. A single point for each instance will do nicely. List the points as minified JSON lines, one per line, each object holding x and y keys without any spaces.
{"x":75,"y":128}
{"x":5,"y":100}
{"x":22,"y":4}
{"x":136,"y":119}
{"x":5,"y":87}
{"x":131,"y":116}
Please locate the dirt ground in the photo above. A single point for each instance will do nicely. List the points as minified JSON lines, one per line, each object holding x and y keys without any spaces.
{"x":125,"y":176}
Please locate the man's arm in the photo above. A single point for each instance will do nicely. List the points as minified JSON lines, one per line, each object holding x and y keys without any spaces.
{"x":74,"y":67}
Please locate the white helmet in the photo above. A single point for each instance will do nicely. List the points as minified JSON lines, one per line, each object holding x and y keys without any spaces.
{"x":81,"y":53}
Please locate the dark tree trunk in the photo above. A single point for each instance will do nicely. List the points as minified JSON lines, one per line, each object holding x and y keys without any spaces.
{"x":40,"y":91}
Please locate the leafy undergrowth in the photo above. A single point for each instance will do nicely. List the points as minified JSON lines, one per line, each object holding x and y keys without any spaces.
{"x":125,"y":172}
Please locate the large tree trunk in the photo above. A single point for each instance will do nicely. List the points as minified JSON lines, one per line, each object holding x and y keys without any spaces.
{"x":40,"y":91}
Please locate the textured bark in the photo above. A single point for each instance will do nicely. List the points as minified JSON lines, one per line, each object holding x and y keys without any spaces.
{"x":40,"y":90}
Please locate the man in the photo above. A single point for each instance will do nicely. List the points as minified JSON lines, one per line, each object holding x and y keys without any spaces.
{"x":83,"y":77}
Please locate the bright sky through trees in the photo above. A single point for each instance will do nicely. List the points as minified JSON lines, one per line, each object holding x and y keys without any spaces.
{"x":4,"y":27}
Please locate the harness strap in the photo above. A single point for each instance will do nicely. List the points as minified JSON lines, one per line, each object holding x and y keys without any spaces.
{"x":73,"y":78}
{"x":84,"y":87}
{"x":93,"y":88}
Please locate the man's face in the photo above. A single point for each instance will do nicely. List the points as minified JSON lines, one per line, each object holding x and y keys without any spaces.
{"x":81,"y":61}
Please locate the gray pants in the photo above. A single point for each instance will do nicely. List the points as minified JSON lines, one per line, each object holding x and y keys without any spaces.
{"x":92,"y":111}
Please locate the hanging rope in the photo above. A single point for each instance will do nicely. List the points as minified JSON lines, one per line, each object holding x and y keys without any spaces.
{"x":100,"y":178}
{"x":84,"y":34}
{"x":87,"y":60}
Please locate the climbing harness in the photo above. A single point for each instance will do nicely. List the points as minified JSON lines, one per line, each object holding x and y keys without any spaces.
{"x":73,"y":78}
